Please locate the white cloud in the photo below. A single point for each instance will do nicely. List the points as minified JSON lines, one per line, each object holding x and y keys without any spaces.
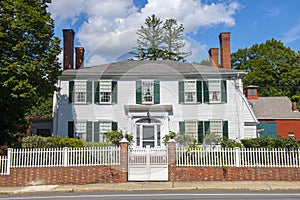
{"x":292,"y":35}
{"x":109,"y":26}
{"x":66,"y":10}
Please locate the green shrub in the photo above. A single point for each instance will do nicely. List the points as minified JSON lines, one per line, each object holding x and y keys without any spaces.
{"x":97,"y":144}
{"x":266,"y":142}
{"x":184,"y":140}
{"x":51,"y":142}
{"x":114,"y":137}
{"x":71,"y":142}
{"x":228,"y":143}
{"x":166,"y":138}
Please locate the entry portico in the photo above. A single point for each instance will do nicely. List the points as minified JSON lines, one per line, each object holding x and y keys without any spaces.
{"x":148,"y":123}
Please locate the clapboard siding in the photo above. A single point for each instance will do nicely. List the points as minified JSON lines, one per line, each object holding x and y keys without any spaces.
{"x":235,"y":111}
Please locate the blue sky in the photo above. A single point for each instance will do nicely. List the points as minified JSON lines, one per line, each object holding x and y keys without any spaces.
{"x":106,"y":28}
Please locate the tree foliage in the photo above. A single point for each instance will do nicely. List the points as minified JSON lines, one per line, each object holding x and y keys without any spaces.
{"x":271,"y":66}
{"x":115,"y":136}
{"x":159,"y":40}
{"x":266,"y":142}
{"x":28,"y":62}
{"x":51,"y":142}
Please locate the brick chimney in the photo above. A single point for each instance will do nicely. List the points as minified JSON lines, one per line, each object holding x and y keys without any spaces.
{"x":68,"y":49}
{"x":225,"y":50}
{"x":251,"y":92}
{"x":214,"y":57}
{"x":79,"y":57}
{"x":294,"y":106}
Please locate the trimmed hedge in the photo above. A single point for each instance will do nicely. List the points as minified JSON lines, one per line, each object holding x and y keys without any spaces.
{"x":266,"y":142}
{"x":51,"y":142}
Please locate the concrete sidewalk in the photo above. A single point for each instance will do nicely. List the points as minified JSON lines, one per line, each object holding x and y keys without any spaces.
{"x":144,"y":186}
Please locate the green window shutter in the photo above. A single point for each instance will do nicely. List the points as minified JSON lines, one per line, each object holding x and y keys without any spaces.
{"x":89,"y":131}
{"x":181,"y":92}
{"x":199,"y":91}
{"x":205,"y":91}
{"x":71,"y":91}
{"x":224,"y":91}
{"x":156,"y":92}
{"x":207,"y":127}
{"x":114,"y":92}
{"x":89,"y":92}
{"x":225,"y":129}
{"x":96,"y":132}
{"x":114,"y":126}
{"x":138,"y":93}
{"x":97,"y":92}
{"x":200,"y":132}
{"x":71,"y":129}
{"x":181,"y":127}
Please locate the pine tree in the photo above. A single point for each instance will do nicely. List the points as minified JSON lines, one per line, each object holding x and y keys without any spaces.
{"x":150,"y":39}
{"x":160,"y":41}
{"x":173,"y":35}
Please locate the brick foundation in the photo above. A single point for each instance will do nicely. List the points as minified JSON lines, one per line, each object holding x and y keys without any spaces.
{"x":233,"y":174}
{"x":61,"y":175}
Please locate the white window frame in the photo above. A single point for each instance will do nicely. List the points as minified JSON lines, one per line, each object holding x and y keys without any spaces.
{"x":103,"y":129}
{"x":105,"y":88}
{"x":216,"y":127}
{"x":215,"y":91}
{"x":80,"y":92}
{"x":80,"y":129}
{"x":190,"y":88}
{"x":145,"y":90}
{"x":189,"y":130}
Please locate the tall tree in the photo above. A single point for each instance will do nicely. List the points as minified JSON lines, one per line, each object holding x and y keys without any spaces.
{"x":271,"y":66}
{"x":29,"y":66}
{"x":173,"y":34}
{"x":160,"y":40}
{"x":150,"y":39}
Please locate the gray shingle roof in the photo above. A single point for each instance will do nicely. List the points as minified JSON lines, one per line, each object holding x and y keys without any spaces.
{"x":274,"y":108}
{"x":150,"y":68}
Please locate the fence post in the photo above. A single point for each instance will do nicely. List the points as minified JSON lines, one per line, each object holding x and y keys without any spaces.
{"x":237,"y":156}
{"x":172,"y":160}
{"x":65,"y":153}
{"x":124,"y":159}
{"x":8,"y":164}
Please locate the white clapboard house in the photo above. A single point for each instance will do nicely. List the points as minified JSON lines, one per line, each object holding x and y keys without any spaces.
{"x":151,"y":98}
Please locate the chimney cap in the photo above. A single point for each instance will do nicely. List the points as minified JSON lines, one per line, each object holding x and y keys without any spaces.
{"x":68,"y":30}
{"x":224,"y":33}
{"x":252,"y":86}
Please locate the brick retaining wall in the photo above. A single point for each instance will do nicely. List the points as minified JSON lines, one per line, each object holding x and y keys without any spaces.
{"x":61,"y":175}
{"x":233,"y":174}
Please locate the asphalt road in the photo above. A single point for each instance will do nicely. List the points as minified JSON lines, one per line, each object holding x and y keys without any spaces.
{"x":161,"y":195}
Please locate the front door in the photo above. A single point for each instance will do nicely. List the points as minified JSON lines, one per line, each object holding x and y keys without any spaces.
{"x":148,"y":136}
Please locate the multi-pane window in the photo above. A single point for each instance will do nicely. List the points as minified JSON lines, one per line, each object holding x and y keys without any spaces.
{"x":147,"y":91}
{"x":190,"y":91}
{"x":214,"y":87}
{"x":80,"y":92}
{"x":80,"y":128}
{"x":191,"y":128}
{"x":216,"y":127}
{"x":104,"y":127}
{"x":105,"y":91}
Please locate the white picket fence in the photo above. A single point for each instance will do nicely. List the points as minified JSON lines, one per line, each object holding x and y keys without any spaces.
{"x":4,"y":168}
{"x":59,"y":157}
{"x":236,"y":157}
